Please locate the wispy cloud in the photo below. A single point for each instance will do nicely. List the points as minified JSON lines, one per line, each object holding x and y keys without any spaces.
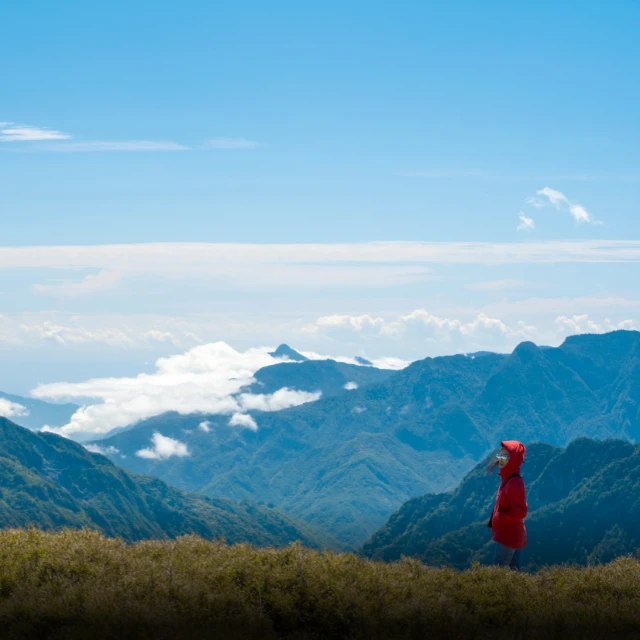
{"x":10,"y":132}
{"x":245,"y":262}
{"x":488,"y":175}
{"x":105,"y":451}
{"x":10,"y":409}
{"x":534,"y":202}
{"x":526,"y":223}
{"x":231,"y":143}
{"x":53,"y":332}
{"x":562,"y":203}
{"x":125,"y":145}
{"x":497,"y":285}
{"x":438,"y":173}
{"x":102,"y":281}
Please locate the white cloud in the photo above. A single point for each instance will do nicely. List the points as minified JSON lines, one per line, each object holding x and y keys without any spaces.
{"x":583,"y":324}
{"x":534,"y":202}
{"x":390,"y":362}
{"x":281,"y":399}
{"x":68,"y":335}
{"x":102,"y":281}
{"x":364,"y":324}
{"x":159,"y":336}
{"x":96,"y":448}
{"x":358,"y":410}
{"x":422,"y":327}
{"x":123,"y":145}
{"x":434,"y":335}
{"x":243,"y":420}
{"x":350,"y":386}
{"x":163,"y":448}
{"x":19,"y":133}
{"x":204,"y":426}
{"x":206,"y":379}
{"x":385,"y":362}
{"x":152,"y":333}
{"x":230,"y":143}
{"x":526,"y":224}
{"x":10,"y":409}
{"x":561,"y":202}
{"x":321,"y":263}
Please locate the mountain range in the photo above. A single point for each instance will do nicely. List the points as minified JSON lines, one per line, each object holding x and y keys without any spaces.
{"x":347,"y":461}
{"x":51,"y":482}
{"x":584,"y":508}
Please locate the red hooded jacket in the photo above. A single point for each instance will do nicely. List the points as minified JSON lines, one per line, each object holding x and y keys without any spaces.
{"x":507,"y":520}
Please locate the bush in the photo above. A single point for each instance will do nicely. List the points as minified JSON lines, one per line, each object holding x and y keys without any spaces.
{"x":79,"y":584}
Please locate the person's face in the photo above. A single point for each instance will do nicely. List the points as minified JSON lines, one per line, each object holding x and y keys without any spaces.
{"x":503,"y":457}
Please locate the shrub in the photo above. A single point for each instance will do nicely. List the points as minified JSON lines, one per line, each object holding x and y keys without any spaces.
{"x":79,"y":584}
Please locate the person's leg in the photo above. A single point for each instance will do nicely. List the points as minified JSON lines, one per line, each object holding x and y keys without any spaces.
{"x":504,"y":555}
{"x":516,"y":561}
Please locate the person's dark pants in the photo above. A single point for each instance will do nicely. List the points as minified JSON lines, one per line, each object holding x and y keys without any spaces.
{"x":508,"y":557}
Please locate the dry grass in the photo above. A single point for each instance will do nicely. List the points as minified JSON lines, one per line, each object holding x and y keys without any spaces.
{"x":79,"y":584}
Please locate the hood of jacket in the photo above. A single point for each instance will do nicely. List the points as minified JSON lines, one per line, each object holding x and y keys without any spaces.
{"x":516,"y":457}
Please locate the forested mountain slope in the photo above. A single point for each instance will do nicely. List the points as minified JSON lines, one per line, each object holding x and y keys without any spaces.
{"x":584,"y":507}
{"x":52,"y":482}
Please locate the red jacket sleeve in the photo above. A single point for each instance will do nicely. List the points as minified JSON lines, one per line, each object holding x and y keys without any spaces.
{"x":517,"y":500}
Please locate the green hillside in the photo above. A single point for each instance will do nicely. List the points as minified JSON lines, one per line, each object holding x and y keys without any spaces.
{"x":348,"y":461}
{"x":51,"y":482}
{"x":584,"y":507}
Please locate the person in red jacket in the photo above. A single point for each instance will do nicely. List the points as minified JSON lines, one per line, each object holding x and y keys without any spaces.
{"x":510,"y":510}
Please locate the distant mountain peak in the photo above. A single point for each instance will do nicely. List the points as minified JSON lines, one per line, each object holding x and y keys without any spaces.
{"x":285,"y":351}
{"x":526,"y":351}
{"x":363,"y":361}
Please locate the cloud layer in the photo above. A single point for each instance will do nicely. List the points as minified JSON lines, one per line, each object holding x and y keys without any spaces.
{"x":92,"y":283}
{"x":206,"y":379}
{"x":438,"y":335}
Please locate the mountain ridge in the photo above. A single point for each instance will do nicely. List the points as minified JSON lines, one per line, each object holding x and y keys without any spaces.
{"x":51,"y":481}
{"x":418,"y":431}
{"x":584,"y":508}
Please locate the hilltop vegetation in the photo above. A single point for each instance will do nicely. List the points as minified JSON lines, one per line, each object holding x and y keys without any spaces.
{"x":52,"y":482}
{"x":79,"y":584}
{"x":346,"y":462}
{"x":584,"y":507}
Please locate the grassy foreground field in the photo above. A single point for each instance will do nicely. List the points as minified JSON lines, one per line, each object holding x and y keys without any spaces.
{"x":79,"y":584}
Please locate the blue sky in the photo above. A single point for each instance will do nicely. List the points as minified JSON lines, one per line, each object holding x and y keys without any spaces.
{"x":291,"y":123}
